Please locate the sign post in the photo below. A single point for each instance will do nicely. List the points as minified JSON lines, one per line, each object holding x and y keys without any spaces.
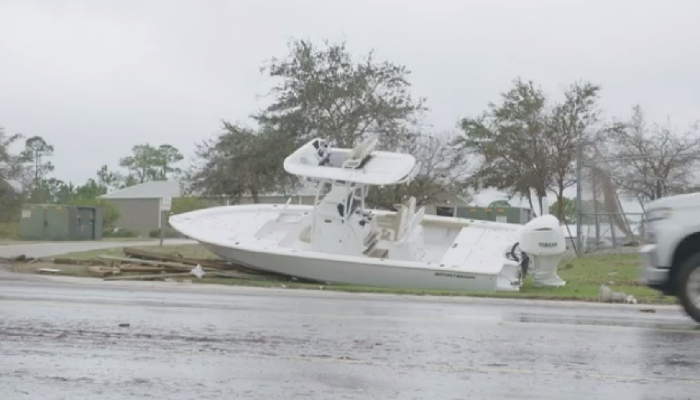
{"x":165,"y":205}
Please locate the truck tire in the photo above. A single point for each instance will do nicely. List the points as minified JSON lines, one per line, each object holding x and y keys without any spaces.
{"x":689,"y":288}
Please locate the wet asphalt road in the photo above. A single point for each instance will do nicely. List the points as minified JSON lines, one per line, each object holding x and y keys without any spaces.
{"x":60,"y":338}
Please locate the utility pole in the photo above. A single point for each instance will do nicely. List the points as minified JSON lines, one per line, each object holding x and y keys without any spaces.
{"x":579,"y":192}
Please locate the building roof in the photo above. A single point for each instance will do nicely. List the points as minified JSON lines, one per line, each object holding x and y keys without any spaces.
{"x":147,"y":190}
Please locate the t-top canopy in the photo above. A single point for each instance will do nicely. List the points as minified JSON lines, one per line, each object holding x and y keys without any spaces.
{"x":363,"y":165}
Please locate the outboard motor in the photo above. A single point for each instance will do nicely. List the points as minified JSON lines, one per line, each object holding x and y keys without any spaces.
{"x":544,"y":244}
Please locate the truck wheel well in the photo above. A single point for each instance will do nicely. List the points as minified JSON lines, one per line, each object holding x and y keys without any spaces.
{"x":687,"y":247}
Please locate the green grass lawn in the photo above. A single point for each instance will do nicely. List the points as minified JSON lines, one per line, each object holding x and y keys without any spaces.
{"x":583,"y":278}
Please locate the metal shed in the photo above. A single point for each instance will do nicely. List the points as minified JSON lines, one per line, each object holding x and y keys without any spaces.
{"x":139,"y":205}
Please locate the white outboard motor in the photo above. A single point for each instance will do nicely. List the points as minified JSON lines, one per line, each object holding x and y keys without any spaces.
{"x":544,"y":243}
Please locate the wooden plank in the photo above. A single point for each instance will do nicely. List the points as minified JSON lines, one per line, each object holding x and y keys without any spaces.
{"x":207,"y":265}
{"x":152,"y":255}
{"x":103,"y":271}
{"x":168,"y":264}
{"x":140,"y":268}
{"x":138,"y":277}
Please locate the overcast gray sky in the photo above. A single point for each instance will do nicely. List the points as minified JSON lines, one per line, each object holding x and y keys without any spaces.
{"x":95,"y":77}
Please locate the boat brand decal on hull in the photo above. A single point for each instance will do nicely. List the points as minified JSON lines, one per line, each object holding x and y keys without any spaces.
{"x":445,"y":274}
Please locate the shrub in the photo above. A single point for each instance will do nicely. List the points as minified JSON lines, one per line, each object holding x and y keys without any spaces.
{"x":9,"y":230}
{"x":170,"y":233}
{"x":186,"y":204}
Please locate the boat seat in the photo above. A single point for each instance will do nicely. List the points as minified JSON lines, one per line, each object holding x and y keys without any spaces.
{"x":399,"y":222}
{"x":305,"y":235}
{"x":404,"y":215}
{"x":360,"y":154}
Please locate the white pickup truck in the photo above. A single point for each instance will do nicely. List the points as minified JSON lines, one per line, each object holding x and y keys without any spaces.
{"x":671,"y":256}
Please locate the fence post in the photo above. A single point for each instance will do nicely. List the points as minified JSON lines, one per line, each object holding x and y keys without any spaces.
{"x":579,"y":193}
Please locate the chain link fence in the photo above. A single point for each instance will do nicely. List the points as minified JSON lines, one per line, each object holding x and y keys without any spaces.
{"x":607,"y":222}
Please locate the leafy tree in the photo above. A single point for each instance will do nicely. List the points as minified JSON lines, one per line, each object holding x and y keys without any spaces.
{"x":570,"y":123}
{"x":508,"y":139}
{"x":527,"y":145}
{"x":320,"y":91}
{"x":650,"y":160}
{"x":90,"y":190}
{"x":111,"y":180}
{"x":564,"y":209}
{"x":56,"y":191}
{"x":129,"y":180}
{"x":143,"y":163}
{"x":167,"y":157}
{"x":324,"y":90}
{"x":236,"y":163}
{"x":10,"y":171}
{"x":147,"y":163}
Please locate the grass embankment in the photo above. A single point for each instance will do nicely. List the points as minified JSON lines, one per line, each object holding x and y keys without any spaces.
{"x":583,"y":277}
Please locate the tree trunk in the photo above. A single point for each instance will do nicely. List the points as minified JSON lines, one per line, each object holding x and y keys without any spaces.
{"x":532,"y":207}
{"x":560,"y":205}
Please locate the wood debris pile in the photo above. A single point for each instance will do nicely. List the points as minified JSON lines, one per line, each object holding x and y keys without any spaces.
{"x":139,"y":264}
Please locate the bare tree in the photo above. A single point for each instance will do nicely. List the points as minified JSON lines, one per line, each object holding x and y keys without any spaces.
{"x":35,"y":153}
{"x":652,"y":161}
{"x":442,"y":176}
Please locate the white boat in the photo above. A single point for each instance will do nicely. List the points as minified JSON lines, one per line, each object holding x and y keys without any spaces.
{"x":338,"y":240}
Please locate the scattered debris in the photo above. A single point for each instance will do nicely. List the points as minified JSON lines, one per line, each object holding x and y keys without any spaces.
{"x":20,"y":258}
{"x":648,"y":310}
{"x":141,"y":254}
{"x":163,"y":264}
{"x":139,"y":264}
{"x":606,"y":295}
{"x":198,"y":272}
{"x":104,"y":271}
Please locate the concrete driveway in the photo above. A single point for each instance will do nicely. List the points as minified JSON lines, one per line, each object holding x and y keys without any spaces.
{"x":51,"y":249}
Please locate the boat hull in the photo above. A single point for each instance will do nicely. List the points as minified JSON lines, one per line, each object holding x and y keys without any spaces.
{"x":361,"y":273}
